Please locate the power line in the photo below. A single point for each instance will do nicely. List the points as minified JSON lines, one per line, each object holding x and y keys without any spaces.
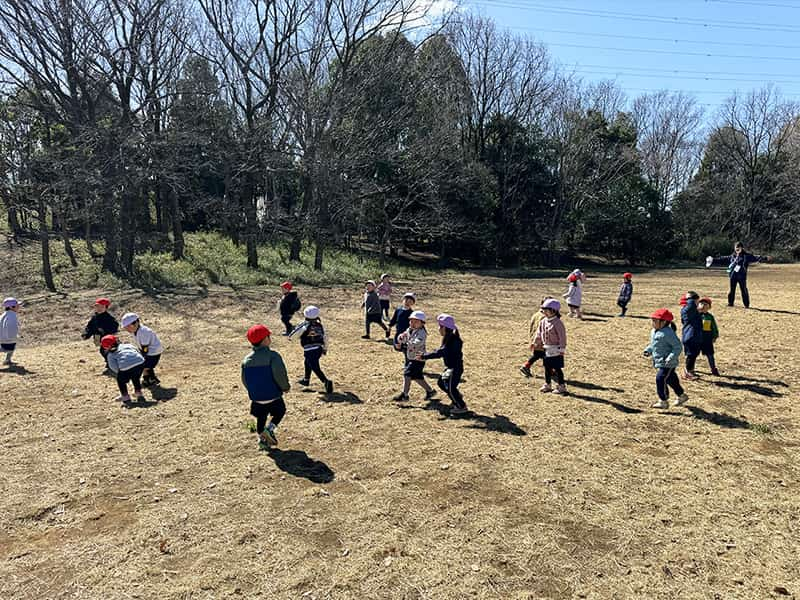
{"x":675,"y":52}
{"x":653,"y":70}
{"x":643,"y":17}
{"x":613,"y":71}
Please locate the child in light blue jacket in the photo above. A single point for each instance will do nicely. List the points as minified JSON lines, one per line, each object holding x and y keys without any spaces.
{"x":127,"y":363}
{"x":665,"y":348}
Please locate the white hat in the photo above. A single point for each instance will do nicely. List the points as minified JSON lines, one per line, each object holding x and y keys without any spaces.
{"x":411,"y":295}
{"x":384,"y":276}
{"x":311,"y":312}
{"x":129,"y":319}
{"x":418,"y":314}
{"x":370,"y":282}
{"x":11,"y":303}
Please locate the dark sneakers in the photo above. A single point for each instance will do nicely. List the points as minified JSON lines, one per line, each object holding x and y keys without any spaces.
{"x":430,"y":395}
{"x":526,"y":371}
{"x":401,"y":397}
{"x":329,"y":387}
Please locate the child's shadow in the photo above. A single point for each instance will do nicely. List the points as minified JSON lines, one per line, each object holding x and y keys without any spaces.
{"x":498,"y":423}
{"x":341,"y":398}
{"x":17,"y":370}
{"x":299,"y":464}
{"x":162,"y":394}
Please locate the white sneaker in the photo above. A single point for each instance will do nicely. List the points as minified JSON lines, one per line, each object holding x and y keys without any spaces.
{"x":124,"y":399}
{"x":546,"y":388}
{"x":680,"y":400}
{"x":661,"y":404}
{"x":561,"y":390}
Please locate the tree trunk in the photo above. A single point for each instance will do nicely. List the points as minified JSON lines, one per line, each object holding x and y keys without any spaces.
{"x":319,"y":251}
{"x":13,"y":221}
{"x":177,"y":226}
{"x":67,"y":243}
{"x":128,"y":234}
{"x":251,"y":227}
{"x":47,"y":271}
{"x":110,"y":235}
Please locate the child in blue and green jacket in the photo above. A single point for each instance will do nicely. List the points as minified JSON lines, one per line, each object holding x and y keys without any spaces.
{"x":265,"y":378}
{"x":665,"y":349}
{"x":710,"y":333}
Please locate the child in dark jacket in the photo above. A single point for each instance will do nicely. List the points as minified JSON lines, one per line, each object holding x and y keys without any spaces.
{"x":101,"y":324}
{"x":625,"y":293}
{"x":289,"y":304}
{"x":451,"y":351}
{"x":401,"y":315}
{"x":691,"y":332}
{"x":314,"y":343}
{"x":372,"y":310}
{"x":710,"y":333}
{"x":265,"y":378}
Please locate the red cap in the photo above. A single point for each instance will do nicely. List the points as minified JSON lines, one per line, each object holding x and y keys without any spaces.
{"x":662,"y":314}
{"x":572,"y":278}
{"x":103,"y":302}
{"x":706,"y":300}
{"x":257,"y":333}
{"x":108,"y":341}
{"x":287,"y":285}
{"x":682,"y":301}
{"x":627,"y":275}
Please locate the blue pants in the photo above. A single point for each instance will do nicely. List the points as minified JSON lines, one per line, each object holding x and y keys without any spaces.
{"x":691,"y":348}
{"x":312,"y":364}
{"x":742,"y":283}
{"x":667,"y":377}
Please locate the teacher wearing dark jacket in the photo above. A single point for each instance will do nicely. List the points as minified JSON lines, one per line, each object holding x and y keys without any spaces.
{"x":739,"y":261}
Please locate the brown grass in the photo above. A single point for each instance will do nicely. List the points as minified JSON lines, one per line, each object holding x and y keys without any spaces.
{"x":594,"y":495}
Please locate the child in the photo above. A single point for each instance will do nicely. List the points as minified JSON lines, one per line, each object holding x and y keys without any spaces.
{"x":574,"y":295}
{"x":401,"y":314}
{"x":691,"y":332}
{"x":101,"y":324}
{"x":9,"y":328}
{"x":552,"y":336}
{"x":372,"y":310}
{"x":265,"y":378}
{"x":538,"y":351}
{"x":149,"y":345}
{"x":710,"y":333}
{"x":413,"y":339}
{"x":127,"y":363}
{"x":665,"y":348}
{"x":452,"y":354}
{"x":314,"y":343}
{"x":290,"y":304}
{"x":385,"y":295}
{"x":625,"y":293}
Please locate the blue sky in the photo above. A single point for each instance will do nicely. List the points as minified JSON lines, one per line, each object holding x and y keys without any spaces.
{"x":706,"y":47}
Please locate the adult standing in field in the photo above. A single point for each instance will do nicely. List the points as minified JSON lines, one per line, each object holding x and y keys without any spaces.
{"x":738,"y":262}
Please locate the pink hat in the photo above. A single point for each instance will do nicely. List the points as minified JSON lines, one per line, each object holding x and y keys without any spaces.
{"x":447,"y":321}
{"x":11,"y":303}
{"x":552,"y":304}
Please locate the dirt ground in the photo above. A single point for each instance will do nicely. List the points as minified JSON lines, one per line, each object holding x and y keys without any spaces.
{"x":594,"y":495}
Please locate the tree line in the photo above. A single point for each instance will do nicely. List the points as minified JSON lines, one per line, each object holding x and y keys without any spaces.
{"x":363,"y":124}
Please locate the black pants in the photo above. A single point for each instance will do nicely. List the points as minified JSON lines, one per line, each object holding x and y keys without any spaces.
{"x":742,"y":283}
{"x":537,"y":355}
{"x":375,"y":318}
{"x":692,"y":351}
{"x":133,"y":375}
{"x":276,"y":409}
{"x":287,"y":322}
{"x":623,"y":305}
{"x":554,"y":365}
{"x":104,"y":354}
{"x":449,"y":385}
{"x":385,"y":306}
{"x":667,"y":377}
{"x":312,"y":364}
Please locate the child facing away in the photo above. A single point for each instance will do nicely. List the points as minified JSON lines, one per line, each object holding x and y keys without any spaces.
{"x":414,"y":339}
{"x":574,"y":295}
{"x":710,"y":333}
{"x":625,"y":293}
{"x":551,"y":335}
{"x":451,"y":351}
{"x":691,"y":332}
{"x":127,"y":363}
{"x":665,"y":348}
{"x":265,"y":378}
{"x":538,"y":350}
{"x":372,"y":310}
{"x":401,"y":315}
{"x":101,"y":324}
{"x":9,"y":328}
{"x":384,"y":290}
{"x":289,"y":304}
{"x":149,"y":345}
{"x":315,"y":345}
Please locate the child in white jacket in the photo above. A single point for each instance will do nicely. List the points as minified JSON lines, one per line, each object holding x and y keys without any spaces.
{"x":414,"y":340}
{"x":9,"y":328}
{"x":574,"y":295}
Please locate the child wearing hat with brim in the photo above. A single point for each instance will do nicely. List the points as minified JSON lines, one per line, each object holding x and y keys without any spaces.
{"x":127,"y":363}
{"x":9,"y":328}
{"x":315,"y":345}
{"x":372,"y":310}
{"x":101,"y":324}
{"x":552,"y":336}
{"x":451,"y":352}
{"x":149,"y":345}
{"x":384,"y":290}
{"x":625,"y":293}
{"x":289,"y":304}
{"x":710,"y":333}
{"x":265,"y":378}
{"x":414,"y":339}
{"x":401,"y":315}
{"x":665,"y":349}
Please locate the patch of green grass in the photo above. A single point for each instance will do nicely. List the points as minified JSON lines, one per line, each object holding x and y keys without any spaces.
{"x":250,"y":426}
{"x":761,"y":428}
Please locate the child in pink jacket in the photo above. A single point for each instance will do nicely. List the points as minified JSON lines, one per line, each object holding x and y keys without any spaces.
{"x":552,"y":335}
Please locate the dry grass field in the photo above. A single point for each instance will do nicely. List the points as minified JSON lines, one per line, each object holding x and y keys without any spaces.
{"x":594,"y":495}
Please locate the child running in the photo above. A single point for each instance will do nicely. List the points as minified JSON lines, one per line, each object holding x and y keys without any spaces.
{"x":265,"y":378}
{"x":9,"y":329}
{"x":574,"y":295}
{"x":710,"y":333}
{"x":149,"y":345}
{"x":385,"y":295}
{"x":665,"y":348}
{"x":314,"y":343}
{"x":289,"y":304}
{"x":101,"y":324}
{"x":413,"y":339}
{"x":538,"y":350}
{"x":451,"y":351}
{"x":127,"y":363}
{"x":401,"y":315}
{"x":552,"y":336}
{"x":372,"y":310}
{"x":691,"y":332}
{"x":625,"y":294}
